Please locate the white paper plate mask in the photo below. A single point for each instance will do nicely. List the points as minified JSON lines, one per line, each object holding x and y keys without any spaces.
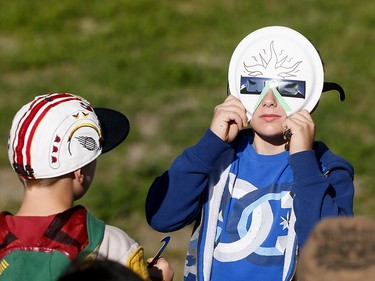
{"x":279,"y":59}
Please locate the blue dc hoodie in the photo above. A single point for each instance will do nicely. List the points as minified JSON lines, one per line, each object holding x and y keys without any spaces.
{"x":252,"y":213}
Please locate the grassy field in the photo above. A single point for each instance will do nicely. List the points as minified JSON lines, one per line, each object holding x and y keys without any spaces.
{"x":164,"y":64}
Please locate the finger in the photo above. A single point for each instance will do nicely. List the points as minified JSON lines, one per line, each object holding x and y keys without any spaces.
{"x":236,"y":102}
{"x":233,"y":105}
{"x":231,"y":100}
{"x":301,"y":115}
{"x":295,"y":125}
{"x":226,"y":117}
{"x":305,"y":113}
{"x":302,"y":118}
{"x":229,"y":116}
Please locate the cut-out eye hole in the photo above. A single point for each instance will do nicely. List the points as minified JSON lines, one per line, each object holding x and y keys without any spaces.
{"x":285,"y":87}
{"x":327,"y":86}
{"x":330,"y":86}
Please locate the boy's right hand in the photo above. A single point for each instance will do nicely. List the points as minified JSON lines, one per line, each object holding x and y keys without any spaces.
{"x":229,"y":118}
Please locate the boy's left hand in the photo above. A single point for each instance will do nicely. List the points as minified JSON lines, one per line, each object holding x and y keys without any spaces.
{"x":161,"y":270}
{"x":302,"y":128}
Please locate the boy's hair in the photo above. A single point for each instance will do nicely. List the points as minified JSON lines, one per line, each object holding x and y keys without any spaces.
{"x":100,"y":270}
{"x":58,"y":133}
{"x":38,"y":182}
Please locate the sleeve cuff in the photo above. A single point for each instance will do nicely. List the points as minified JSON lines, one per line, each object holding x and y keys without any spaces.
{"x":304,"y":165}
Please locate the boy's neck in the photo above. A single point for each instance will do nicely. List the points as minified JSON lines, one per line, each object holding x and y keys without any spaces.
{"x":47,"y":200}
{"x":268,"y":146}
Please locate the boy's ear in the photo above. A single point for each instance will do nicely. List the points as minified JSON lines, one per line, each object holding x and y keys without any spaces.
{"x":78,"y":175}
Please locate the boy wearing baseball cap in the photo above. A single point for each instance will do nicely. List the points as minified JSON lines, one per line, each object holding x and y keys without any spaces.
{"x":53,"y":145}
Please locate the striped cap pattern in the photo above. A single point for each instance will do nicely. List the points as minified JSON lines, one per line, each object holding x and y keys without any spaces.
{"x":53,"y":135}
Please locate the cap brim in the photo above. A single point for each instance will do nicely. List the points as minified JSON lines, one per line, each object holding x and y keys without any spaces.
{"x":115,"y":127}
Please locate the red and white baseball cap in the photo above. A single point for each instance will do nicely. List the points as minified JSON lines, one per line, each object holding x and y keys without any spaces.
{"x":58,"y":133}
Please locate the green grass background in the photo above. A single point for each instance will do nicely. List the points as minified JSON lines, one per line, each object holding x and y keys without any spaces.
{"x":164,"y":64}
